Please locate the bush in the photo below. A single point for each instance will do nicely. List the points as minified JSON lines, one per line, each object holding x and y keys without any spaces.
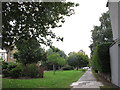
{"x":11,"y":65}
{"x":17,"y":71}
{"x":5,"y":72}
{"x":101,"y":58}
{"x":32,"y":70}
{"x":67,"y":67}
{"x":4,"y":65}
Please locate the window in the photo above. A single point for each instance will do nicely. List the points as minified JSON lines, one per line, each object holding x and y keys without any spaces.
{"x":11,"y":56}
{"x":2,"y":56}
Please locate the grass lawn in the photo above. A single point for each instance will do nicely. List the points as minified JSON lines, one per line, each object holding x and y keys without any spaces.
{"x":62,"y":79}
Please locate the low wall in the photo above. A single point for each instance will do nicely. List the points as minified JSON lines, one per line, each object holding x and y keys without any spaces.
{"x":105,"y":76}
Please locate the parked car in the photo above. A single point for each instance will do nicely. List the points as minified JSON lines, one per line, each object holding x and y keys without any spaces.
{"x":85,"y":68}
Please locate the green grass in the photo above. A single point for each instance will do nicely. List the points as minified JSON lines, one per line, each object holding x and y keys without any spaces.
{"x":62,"y":79}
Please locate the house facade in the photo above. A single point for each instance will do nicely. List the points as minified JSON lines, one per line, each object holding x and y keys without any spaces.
{"x":3,"y":54}
{"x":7,"y":57}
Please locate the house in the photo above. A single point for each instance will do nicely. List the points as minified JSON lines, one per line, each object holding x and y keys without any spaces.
{"x":114,"y":9}
{"x":3,"y":54}
{"x":7,"y":57}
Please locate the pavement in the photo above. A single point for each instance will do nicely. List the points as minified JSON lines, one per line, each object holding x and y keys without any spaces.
{"x":86,"y":81}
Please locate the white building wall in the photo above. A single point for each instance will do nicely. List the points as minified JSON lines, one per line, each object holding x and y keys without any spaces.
{"x":119,"y":66}
{"x":114,"y":64}
{"x":114,"y":8}
{"x":4,"y":53}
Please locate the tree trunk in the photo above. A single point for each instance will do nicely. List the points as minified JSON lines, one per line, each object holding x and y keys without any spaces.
{"x":77,"y":67}
{"x":59,"y":68}
{"x":7,"y":54}
{"x":53,"y":69}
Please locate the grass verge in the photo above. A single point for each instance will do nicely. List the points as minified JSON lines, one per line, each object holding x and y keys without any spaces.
{"x":62,"y":79}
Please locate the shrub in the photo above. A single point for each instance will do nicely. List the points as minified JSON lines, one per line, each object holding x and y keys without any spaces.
{"x":32,"y":70}
{"x":67,"y":67}
{"x":5,"y":72}
{"x":17,"y":71}
{"x":101,"y":58}
{"x":4,"y":65}
{"x":11,"y":65}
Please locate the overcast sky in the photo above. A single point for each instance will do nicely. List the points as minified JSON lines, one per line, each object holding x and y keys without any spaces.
{"x":76,"y":29}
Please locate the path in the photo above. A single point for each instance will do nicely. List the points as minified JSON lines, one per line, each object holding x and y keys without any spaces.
{"x":86,"y":81}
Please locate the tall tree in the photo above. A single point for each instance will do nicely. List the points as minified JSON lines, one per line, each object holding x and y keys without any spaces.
{"x":102,"y":33}
{"x":32,"y":19}
{"x":29,"y":51}
{"x":55,"y":59}
{"x":78,"y":60}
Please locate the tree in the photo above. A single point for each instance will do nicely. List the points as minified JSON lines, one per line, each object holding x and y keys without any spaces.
{"x":78,"y":60}
{"x":29,"y":51}
{"x":102,"y":33}
{"x":60,"y":60}
{"x":53,"y":59}
{"x":32,"y":19}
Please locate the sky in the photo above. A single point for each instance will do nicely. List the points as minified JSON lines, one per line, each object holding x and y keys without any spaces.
{"x":77,"y":27}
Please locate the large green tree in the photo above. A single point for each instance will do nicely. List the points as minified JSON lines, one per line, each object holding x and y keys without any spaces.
{"x":55,"y":59}
{"x":78,"y":60}
{"x":102,"y":33}
{"x":32,"y":19}
{"x":29,"y":51}
{"x":59,"y":62}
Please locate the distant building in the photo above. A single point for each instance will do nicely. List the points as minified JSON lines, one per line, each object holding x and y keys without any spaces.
{"x":3,"y":55}
{"x":7,"y":57}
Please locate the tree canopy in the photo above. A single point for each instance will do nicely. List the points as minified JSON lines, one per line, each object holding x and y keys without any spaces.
{"x":78,"y":60}
{"x":33,"y":19}
{"x":29,"y":51}
{"x":102,"y":33}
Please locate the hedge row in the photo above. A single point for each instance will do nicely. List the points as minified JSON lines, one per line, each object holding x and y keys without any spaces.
{"x":101,"y":58}
{"x":16,"y":70}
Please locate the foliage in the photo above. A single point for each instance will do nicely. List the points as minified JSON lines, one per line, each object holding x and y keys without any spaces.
{"x":32,"y":70}
{"x":53,"y":50}
{"x":60,"y":58}
{"x":4,"y":65}
{"x":17,"y":71}
{"x":60,"y":80}
{"x":61,"y":61}
{"x":33,"y":19}
{"x":101,"y":58}
{"x":5,"y":72}
{"x":67,"y":67}
{"x":29,"y":51}
{"x":102,"y":33}
{"x":11,"y":65}
{"x":77,"y":59}
{"x":55,"y":59}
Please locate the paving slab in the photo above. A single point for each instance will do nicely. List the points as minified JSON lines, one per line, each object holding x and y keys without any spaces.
{"x":86,"y":81}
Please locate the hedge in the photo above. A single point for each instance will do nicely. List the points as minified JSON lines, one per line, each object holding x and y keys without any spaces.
{"x":101,"y":58}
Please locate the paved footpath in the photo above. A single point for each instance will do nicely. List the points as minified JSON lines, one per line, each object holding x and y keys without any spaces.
{"x":86,"y":81}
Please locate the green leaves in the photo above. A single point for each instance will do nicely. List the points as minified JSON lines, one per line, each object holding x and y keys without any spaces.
{"x":101,"y":59}
{"x":102,"y":33}
{"x":78,"y":59}
{"x":29,"y":51}
{"x":33,"y":19}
